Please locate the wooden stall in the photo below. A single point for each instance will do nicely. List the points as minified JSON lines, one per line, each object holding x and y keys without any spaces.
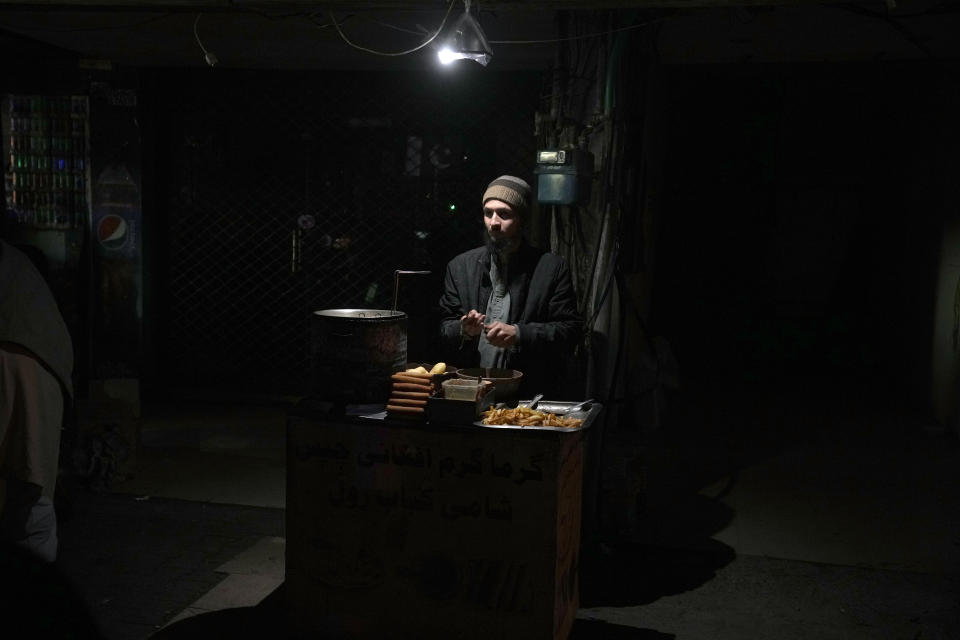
{"x":402,"y":529}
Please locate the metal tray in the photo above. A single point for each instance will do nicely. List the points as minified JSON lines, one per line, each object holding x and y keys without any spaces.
{"x":559,"y":408}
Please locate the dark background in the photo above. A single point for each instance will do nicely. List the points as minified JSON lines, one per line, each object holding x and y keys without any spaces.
{"x":800,"y":157}
{"x":813,"y":192}
{"x":774,"y":186}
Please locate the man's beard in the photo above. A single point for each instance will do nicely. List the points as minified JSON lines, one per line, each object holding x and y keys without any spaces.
{"x":502,"y":245}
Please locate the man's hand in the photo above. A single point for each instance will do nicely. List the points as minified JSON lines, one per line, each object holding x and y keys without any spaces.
{"x":500,"y":334}
{"x":472,"y":323}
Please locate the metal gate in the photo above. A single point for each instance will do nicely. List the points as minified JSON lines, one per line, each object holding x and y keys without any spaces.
{"x":288,"y":192}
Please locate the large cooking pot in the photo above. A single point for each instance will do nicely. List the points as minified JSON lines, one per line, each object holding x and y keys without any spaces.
{"x":355,"y":351}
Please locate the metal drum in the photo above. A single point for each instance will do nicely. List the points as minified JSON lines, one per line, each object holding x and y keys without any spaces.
{"x":355,"y":351}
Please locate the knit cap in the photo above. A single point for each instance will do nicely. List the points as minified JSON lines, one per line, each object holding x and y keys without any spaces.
{"x":510,"y":189}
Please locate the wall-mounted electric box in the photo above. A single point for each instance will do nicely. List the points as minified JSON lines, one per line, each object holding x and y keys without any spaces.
{"x":563,"y":176}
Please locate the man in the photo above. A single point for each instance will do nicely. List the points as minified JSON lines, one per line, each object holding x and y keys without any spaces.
{"x":508,"y":304}
{"x":36,"y":361}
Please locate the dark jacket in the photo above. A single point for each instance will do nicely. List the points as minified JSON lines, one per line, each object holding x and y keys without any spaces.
{"x":542,"y":304}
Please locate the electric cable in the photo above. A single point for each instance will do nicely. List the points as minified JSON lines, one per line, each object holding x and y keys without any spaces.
{"x":609,"y":219}
{"x":908,"y":35}
{"x":588,"y":326}
{"x":207,"y":55}
{"x":605,"y":220}
{"x":613,"y":219}
{"x":313,"y":20}
{"x":394,"y":53}
{"x":323,"y":25}
{"x":578,"y":226}
{"x":417,"y":32}
{"x":276,"y":16}
{"x":583,"y":37}
{"x":564,"y":232}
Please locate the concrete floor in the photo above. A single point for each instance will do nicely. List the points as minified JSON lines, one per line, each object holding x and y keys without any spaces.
{"x":757,"y":522}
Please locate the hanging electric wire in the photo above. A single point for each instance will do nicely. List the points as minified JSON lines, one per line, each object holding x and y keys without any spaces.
{"x":443,"y":23}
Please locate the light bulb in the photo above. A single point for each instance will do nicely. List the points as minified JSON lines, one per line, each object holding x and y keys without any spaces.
{"x":446,"y":56}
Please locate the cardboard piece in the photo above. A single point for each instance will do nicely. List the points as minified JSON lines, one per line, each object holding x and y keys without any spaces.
{"x":399,"y":530}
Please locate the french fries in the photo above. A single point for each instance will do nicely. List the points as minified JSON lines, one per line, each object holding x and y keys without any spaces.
{"x":525,"y":417}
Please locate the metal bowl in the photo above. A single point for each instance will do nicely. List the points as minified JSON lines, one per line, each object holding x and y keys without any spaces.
{"x":506,"y":382}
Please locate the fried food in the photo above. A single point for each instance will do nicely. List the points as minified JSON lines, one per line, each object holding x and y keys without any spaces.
{"x":524,"y":417}
{"x":406,"y":411}
{"x":439,"y":368}
{"x":407,"y":402}
{"x":410,"y":394}
{"x":409,"y":386}
{"x":413,"y":378}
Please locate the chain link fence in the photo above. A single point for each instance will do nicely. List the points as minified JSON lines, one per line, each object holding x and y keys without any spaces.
{"x":287,"y":192}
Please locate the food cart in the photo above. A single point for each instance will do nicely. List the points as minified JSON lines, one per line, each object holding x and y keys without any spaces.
{"x":423,"y":528}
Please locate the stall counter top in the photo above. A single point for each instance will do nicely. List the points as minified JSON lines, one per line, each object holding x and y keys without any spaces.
{"x":375,"y":415}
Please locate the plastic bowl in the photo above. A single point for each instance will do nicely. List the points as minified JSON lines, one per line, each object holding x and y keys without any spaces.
{"x":462,"y":389}
{"x":505,"y":381}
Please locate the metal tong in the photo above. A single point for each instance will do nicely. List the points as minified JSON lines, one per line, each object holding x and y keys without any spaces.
{"x":580,"y":406}
{"x":533,"y":403}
